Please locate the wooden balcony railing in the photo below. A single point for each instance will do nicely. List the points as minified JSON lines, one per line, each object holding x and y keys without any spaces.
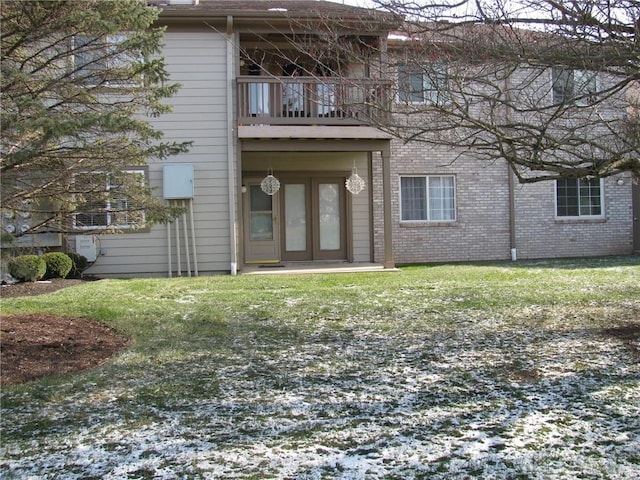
{"x":311,"y":100}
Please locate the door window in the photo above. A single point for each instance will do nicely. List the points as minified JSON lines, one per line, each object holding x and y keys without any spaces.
{"x":295,"y":217}
{"x":261,"y":221}
{"x":329,"y":211}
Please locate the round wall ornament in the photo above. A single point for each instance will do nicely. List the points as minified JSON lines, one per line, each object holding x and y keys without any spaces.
{"x":270,"y":184}
{"x":354,"y":184}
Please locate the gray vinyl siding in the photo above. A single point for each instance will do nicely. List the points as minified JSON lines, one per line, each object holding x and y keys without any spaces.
{"x":361,"y":227}
{"x":361,"y":216}
{"x":196,"y":60}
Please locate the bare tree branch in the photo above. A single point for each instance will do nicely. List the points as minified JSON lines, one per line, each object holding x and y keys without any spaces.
{"x":545,"y":85}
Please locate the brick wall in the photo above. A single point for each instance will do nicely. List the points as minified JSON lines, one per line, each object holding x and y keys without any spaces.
{"x":540,"y":234}
{"x":482,"y":230}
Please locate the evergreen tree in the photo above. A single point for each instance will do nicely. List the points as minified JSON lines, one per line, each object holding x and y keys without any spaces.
{"x":81,"y":82}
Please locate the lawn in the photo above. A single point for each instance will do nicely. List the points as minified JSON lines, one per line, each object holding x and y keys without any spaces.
{"x":487,"y":371}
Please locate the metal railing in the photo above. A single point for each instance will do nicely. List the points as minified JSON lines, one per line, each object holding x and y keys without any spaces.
{"x":274,"y":100}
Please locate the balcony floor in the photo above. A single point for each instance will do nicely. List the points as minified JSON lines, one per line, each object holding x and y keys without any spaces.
{"x":311,"y":131}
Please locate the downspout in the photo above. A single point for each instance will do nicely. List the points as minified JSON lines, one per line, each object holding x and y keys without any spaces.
{"x":512,"y":216}
{"x":386,"y":208}
{"x":512,"y":198}
{"x":233,"y":228}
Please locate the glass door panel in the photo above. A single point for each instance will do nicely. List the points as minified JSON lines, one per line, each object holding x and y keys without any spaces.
{"x":295,"y":217}
{"x":261,"y":221}
{"x":329,"y":216}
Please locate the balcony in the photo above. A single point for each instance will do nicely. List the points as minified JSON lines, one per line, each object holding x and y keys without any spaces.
{"x":264,"y":100}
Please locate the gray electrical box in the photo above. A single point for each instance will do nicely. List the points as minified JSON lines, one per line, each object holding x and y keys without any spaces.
{"x":87,"y":246}
{"x":178,"y":181}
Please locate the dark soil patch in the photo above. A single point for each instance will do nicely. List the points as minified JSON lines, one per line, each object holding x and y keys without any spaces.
{"x":23,"y":289}
{"x":629,"y":334}
{"x":37,"y":345}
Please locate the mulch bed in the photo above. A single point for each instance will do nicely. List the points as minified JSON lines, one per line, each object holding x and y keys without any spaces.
{"x":37,"y":345}
{"x":23,"y":289}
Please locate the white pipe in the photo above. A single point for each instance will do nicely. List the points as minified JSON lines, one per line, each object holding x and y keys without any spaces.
{"x":179,"y":264}
{"x":231,"y":164}
{"x":193,"y":239}
{"x":186,"y":238}
{"x":169,"y":248}
{"x":514,"y":254}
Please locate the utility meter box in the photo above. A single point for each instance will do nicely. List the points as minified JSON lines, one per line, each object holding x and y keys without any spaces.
{"x":86,"y":246}
{"x":178,"y":181}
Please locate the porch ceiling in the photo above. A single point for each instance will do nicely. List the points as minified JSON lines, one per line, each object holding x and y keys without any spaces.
{"x":288,"y":132}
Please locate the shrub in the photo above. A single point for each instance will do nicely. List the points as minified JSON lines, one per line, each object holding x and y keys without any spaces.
{"x":58,"y":264}
{"x":80,"y":264}
{"x":27,"y":268}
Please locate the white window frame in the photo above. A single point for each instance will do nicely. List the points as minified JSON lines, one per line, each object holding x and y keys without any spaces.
{"x":112,"y":217}
{"x":580,"y":88}
{"x":428,"y":193}
{"x":580,"y":205}
{"x":91,"y":70}
{"x":434,"y":88}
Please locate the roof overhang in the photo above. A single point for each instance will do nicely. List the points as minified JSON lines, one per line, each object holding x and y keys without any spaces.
{"x":280,"y":12}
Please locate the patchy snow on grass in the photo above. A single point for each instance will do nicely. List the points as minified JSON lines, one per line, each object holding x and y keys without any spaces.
{"x":348,"y":393}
